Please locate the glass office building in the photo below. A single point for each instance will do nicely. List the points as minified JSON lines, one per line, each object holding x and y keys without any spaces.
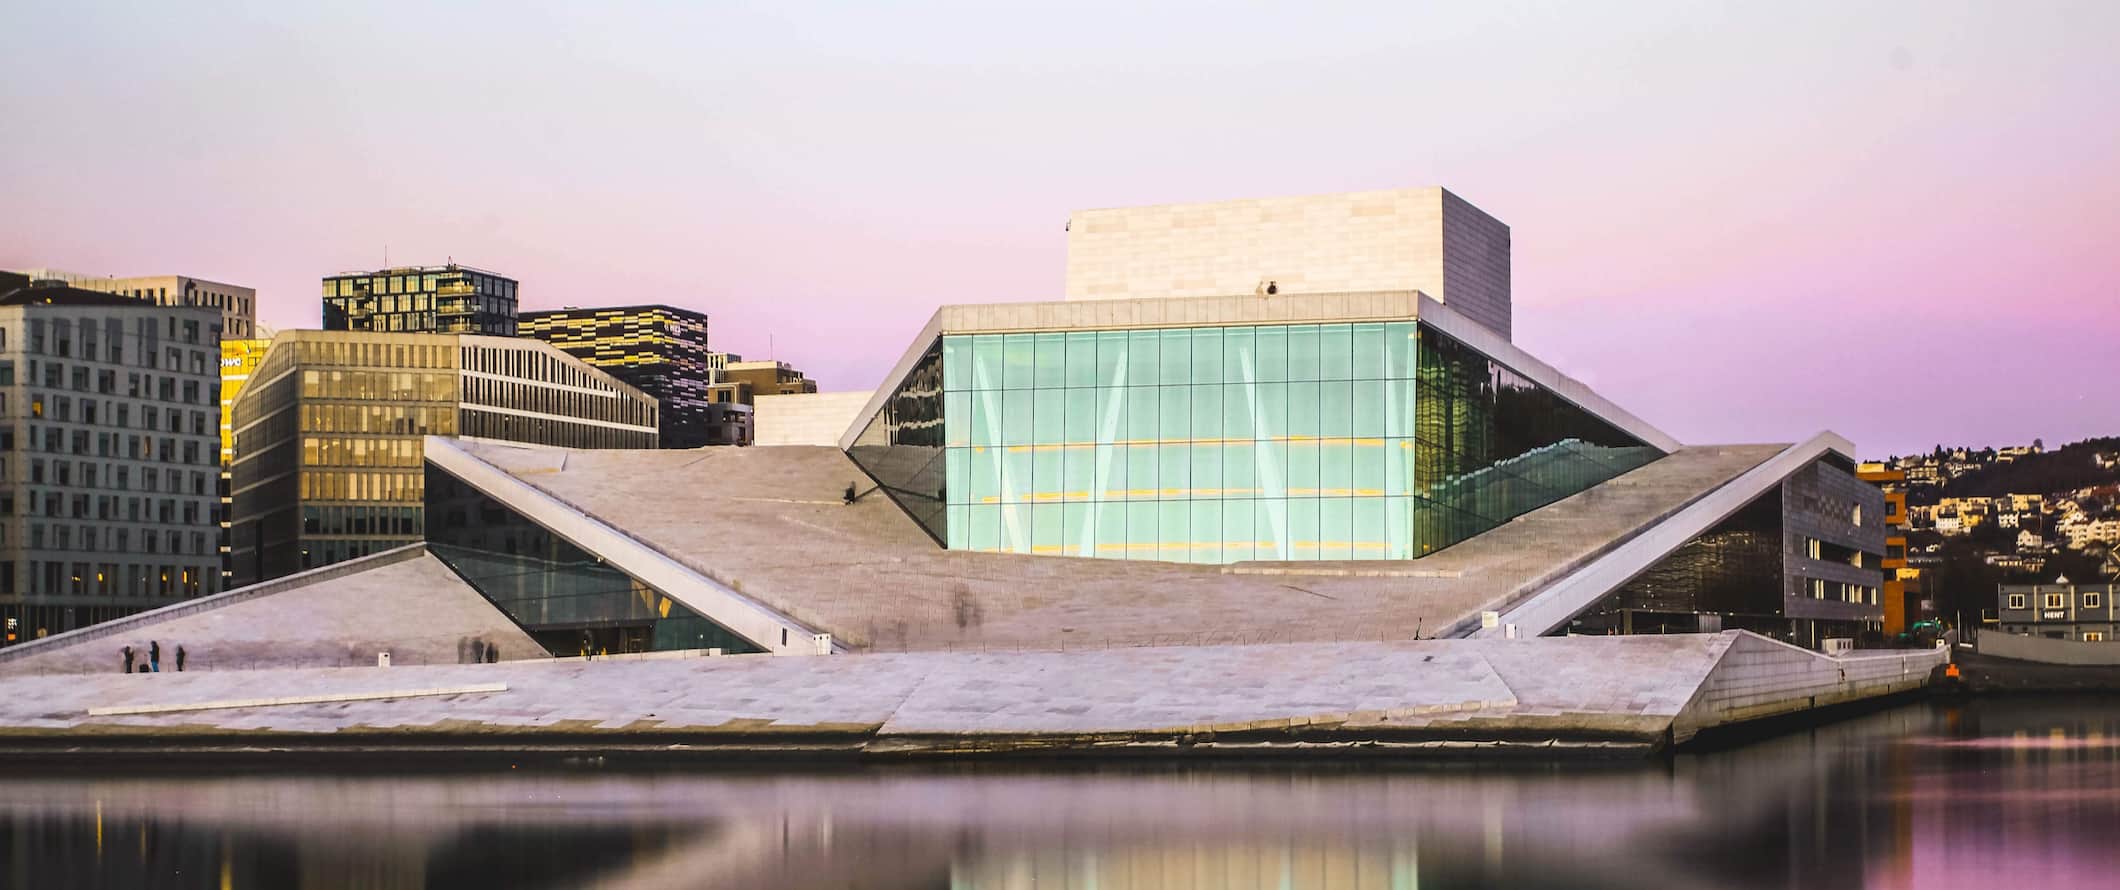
{"x":329,"y":432}
{"x":449,"y":299}
{"x":662,"y":350}
{"x":1351,"y":441}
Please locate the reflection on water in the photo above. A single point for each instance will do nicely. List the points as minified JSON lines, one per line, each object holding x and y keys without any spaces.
{"x":2021,"y":792}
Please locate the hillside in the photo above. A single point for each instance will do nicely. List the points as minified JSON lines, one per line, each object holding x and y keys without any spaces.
{"x":2063,"y":469}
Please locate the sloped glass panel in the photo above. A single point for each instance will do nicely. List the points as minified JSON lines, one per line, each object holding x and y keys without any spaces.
{"x":568,"y":600}
{"x":902,"y":447}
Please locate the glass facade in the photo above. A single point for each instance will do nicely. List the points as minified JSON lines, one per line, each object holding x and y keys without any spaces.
{"x":1491,"y":445}
{"x":566,"y":598}
{"x":329,"y":434}
{"x":659,"y":349}
{"x":1374,"y":440}
{"x":1734,"y":570}
{"x":448,"y":299}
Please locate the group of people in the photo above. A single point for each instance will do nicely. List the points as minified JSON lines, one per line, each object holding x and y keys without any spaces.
{"x":153,"y":664}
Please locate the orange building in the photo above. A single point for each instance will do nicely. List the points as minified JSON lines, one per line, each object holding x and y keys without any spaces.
{"x":1899,"y":612}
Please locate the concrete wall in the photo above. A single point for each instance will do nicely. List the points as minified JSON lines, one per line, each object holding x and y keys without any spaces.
{"x":816,"y":418}
{"x":2047,"y":651}
{"x":1408,"y":239}
{"x":1820,"y":501}
{"x":1758,"y":677}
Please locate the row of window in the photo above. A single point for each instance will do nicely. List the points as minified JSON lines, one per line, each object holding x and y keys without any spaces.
{"x":55,"y":376}
{"x":1180,"y":356}
{"x":1822,"y":589}
{"x":404,"y":522}
{"x":358,"y":485}
{"x":110,"y":579}
{"x":449,"y":281}
{"x":101,"y":539}
{"x":2088,"y":599}
{"x":164,"y":449}
{"x":94,"y":474}
{"x":602,"y":403}
{"x":114,"y":413}
{"x":167,"y":511}
{"x":1176,"y":414}
{"x":1831,"y":552}
{"x":110,"y":332}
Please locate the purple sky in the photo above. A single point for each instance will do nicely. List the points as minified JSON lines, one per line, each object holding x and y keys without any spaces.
{"x":1894,"y":220}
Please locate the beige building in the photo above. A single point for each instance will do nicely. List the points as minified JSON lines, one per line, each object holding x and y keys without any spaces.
{"x":1423,"y":239}
{"x":238,"y":305}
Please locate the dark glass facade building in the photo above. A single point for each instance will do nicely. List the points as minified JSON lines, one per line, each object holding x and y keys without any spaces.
{"x":1362,"y":440}
{"x":449,"y":299}
{"x":662,"y":351}
{"x":329,"y":432}
{"x":567,"y":599}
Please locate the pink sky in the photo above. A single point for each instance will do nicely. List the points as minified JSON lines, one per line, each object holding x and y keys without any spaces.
{"x":1892,"y":220}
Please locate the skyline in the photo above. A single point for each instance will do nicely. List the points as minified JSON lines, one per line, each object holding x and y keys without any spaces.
{"x":1749,"y":189}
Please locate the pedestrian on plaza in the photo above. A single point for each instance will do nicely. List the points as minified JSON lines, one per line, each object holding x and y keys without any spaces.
{"x":493,"y":654}
{"x":154,"y":656}
{"x":128,"y":659}
{"x":180,"y":658}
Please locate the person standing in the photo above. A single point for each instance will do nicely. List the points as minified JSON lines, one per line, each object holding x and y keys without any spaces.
{"x":154,"y":656}
{"x":180,"y":658}
{"x":128,"y":659}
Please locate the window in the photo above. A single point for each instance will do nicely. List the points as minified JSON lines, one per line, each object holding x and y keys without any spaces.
{"x":2092,"y":601}
{"x":2056,"y":601}
{"x":2017,"y":601}
{"x":2093,"y":636}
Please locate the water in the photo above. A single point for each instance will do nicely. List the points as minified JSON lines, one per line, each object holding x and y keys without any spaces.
{"x":1995,"y":793}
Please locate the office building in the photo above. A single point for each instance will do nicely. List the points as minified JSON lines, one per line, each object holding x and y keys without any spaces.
{"x":329,"y":428}
{"x":237,"y":305}
{"x":660,"y":350}
{"x":107,"y":502}
{"x":450,"y":299}
{"x":2059,"y":611}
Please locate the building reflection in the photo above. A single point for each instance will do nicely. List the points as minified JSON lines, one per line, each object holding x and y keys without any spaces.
{"x":1921,"y":796}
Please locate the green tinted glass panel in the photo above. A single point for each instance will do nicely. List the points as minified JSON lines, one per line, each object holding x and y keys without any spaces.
{"x":1336,"y":441}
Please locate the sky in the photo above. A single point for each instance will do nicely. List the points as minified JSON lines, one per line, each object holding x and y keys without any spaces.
{"x":1744,"y":223}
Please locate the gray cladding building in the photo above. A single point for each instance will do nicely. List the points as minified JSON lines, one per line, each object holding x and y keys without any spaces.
{"x":108,"y":451}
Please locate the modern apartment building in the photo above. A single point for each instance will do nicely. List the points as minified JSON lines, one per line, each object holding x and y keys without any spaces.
{"x":107,"y":503}
{"x":329,"y":427}
{"x":450,"y":299}
{"x":662,"y":351}
{"x":238,"y":305}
